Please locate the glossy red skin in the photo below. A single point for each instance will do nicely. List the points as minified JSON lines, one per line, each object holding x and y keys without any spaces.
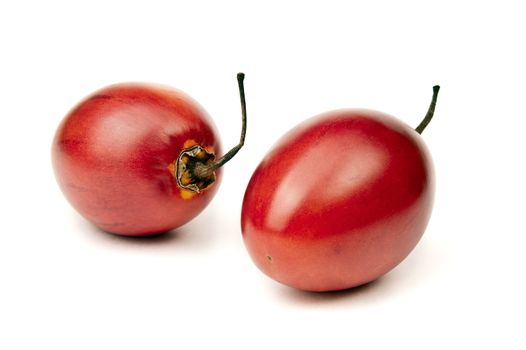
{"x":339,"y":201}
{"x":112,"y":154}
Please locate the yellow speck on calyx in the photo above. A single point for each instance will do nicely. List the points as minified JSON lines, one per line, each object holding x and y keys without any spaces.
{"x":189,"y":143}
{"x":187,"y":194}
{"x":171,"y":168}
{"x":186,"y":178}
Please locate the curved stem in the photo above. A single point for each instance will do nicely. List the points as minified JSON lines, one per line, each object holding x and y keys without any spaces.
{"x":430,"y":111}
{"x":230,"y":154}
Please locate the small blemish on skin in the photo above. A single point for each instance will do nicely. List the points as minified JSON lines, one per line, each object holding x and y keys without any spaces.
{"x":269,"y":258}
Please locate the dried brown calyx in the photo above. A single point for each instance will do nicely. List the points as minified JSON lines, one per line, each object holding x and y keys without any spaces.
{"x":195,"y":169}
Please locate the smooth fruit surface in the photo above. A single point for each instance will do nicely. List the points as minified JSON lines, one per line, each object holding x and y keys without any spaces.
{"x":339,"y":201}
{"x":114,"y":157}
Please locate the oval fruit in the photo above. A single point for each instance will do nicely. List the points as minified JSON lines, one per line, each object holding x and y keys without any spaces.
{"x":340,"y":200}
{"x":138,"y":159}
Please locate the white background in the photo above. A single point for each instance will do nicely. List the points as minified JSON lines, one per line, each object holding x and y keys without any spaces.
{"x":66,"y":285}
